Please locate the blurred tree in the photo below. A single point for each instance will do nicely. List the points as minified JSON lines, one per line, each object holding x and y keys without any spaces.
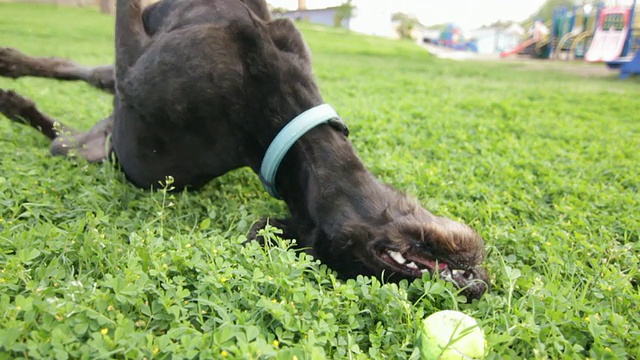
{"x":344,"y":12}
{"x":276,"y":11}
{"x":436,"y":26}
{"x":546,"y":10}
{"x":499,"y":24}
{"x":406,"y":24}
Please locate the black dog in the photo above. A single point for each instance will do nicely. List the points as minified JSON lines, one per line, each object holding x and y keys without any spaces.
{"x":203,"y":87}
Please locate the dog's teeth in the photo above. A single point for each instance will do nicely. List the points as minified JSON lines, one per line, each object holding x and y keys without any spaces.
{"x":467,"y":275}
{"x":397,"y":256}
{"x":411,"y":265}
{"x":446,"y":275}
{"x":424,"y":270}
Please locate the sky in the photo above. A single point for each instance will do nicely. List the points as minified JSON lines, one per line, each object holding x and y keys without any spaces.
{"x":469,"y":14}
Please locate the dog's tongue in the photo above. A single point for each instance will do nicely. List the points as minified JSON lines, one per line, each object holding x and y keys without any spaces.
{"x":429,"y":263}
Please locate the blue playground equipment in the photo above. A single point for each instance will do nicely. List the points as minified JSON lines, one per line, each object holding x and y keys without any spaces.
{"x":629,"y":44}
{"x":633,"y":66}
{"x":630,"y":68}
{"x":575,"y":30}
{"x":452,"y":37}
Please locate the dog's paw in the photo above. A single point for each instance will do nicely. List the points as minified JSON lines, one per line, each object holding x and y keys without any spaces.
{"x":255,"y":231}
{"x":102,"y":78}
{"x":10,"y":62}
{"x":13,"y":105}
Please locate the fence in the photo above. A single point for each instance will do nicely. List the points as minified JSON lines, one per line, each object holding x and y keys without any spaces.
{"x":106,"y":6}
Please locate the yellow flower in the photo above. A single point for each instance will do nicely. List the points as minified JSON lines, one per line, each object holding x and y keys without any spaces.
{"x":276,"y":343}
{"x":104,"y":331}
{"x":224,"y":353}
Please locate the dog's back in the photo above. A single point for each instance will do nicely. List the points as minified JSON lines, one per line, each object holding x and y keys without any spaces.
{"x":212,"y":74}
{"x":167,"y":15}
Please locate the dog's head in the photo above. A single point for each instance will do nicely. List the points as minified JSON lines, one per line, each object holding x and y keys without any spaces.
{"x":405,"y":240}
{"x":384,"y":233}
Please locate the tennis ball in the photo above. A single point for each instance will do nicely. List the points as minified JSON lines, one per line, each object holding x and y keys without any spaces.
{"x":451,"y":335}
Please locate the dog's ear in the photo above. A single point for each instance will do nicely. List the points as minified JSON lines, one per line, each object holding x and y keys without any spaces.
{"x":258,"y":55}
{"x":259,"y":7}
{"x":287,"y":38}
{"x":267,"y":58}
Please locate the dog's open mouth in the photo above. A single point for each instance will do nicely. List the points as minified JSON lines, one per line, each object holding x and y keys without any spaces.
{"x":414,"y":265}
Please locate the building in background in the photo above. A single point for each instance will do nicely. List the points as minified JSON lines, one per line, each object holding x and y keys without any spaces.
{"x":324,"y":16}
{"x":492,"y":40}
{"x":371,"y":20}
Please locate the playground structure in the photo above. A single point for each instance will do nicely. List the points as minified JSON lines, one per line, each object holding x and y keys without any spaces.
{"x":612,"y":36}
{"x":575,"y":30}
{"x":617,"y":41}
{"x":595,"y":33}
{"x":452,"y":37}
{"x":567,"y":35}
{"x":630,"y":67}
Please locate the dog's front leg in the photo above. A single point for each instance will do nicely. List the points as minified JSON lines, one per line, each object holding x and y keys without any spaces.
{"x":131,"y":39}
{"x":288,"y":232}
{"x":305,"y":239}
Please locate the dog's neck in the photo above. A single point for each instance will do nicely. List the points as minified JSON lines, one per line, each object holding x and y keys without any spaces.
{"x":325,"y":184}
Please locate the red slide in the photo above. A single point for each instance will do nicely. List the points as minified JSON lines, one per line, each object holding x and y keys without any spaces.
{"x":610,"y":36}
{"x":517,"y":49}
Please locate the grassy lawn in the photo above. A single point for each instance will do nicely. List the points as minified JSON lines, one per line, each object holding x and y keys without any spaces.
{"x":544,"y":162}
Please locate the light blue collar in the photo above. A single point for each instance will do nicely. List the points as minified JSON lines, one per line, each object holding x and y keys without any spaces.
{"x":285,"y":139}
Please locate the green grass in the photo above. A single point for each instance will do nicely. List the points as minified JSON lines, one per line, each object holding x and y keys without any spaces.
{"x":543,"y":162}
